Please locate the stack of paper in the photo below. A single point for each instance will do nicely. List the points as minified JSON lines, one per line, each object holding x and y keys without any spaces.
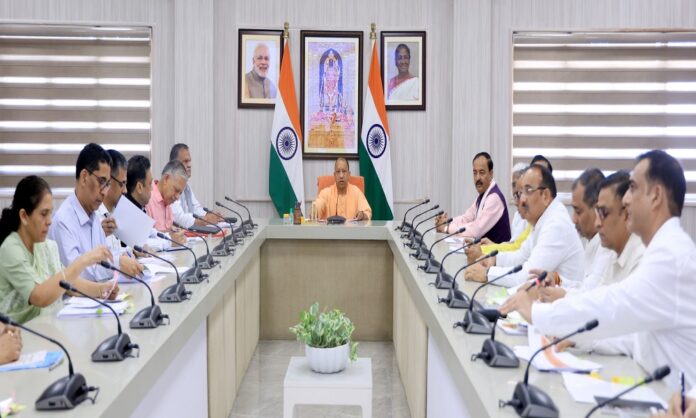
{"x":157,"y":268}
{"x":514,"y":324}
{"x":79,"y":307}
{"x":584,"y":389}
{"x":147,"y":276}
{"x":549,"y":359}
{"x":35,"y":360}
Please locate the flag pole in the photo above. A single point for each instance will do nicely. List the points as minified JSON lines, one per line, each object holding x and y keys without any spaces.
{"x":373,"y":31}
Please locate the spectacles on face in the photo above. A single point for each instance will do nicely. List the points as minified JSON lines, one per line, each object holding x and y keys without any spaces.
{"x":528,"y":190}
{"x":103,"y":181}
{"x":603,"y":212}
{"x":121,"y":184}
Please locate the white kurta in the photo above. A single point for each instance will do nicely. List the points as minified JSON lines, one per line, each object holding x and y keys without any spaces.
{"x":553,"y":245}
{"x":651,"y":315}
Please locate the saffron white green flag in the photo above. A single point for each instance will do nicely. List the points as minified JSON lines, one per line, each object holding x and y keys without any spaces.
{"x":375,"y":146}
{"x":285,"y":180}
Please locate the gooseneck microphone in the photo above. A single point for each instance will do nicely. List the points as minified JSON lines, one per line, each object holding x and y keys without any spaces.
{"x":422,"y":252}
{"x":226,"y":219}
{"x":194,"y":275}
{"x":148,"y":317}
{"x":417,"y":237}
{"x":174,"y":293}
{"x":495,"y":353}
{"x":239,"y":232}
{"x":528,"y":400}
{"x":66,"y":392}
{"x":249,"y":223}
{"x":658,"y":374}
{"x":216,"y":226}
{"x":228,"y":241}
{"x":410,"y":233}
{"x":456,"y":299}
{"x":405,"y":226}
{"x":114,"y":348}
{"x":205,"y":261}
{"x":478,"y":321}
{"x":431,"y":264}
{"x":444,"y":280}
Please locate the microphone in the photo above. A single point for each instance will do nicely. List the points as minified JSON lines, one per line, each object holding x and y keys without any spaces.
{"x":478,"y":321}
{"x":495,"y":353}
{"x":456,"y":299}
{"x":443,"y":281}
{"x":405,"y":226}
{"x":228,"y":240}
{"x":532,"y":402}
{"x":114,"y":348}
{"x":413,"y":221}
{"x":423,"y":253}
{"x":194,"y":275}
{"x":214,"y":225}
{"x":205,"y":261}
{"x":248,"y":224}
{"x":66,"y":392}
{"x":174,"y":293}
{"x":658,"y":374}
{"x":431,"y":265}
{"x":239,"y":232}
{"x":148,"y":317}
{"x":417,"y":237}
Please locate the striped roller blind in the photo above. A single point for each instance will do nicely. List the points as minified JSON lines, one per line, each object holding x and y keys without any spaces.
{"x":600,"y":99}
{"x":62,"y":87}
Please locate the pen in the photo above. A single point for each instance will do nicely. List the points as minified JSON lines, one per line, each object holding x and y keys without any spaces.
{"x":683,"y":394}
{"x":534,"y":283}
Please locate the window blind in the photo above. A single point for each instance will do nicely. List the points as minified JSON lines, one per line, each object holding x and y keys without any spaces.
{"x":62,"y":87}
{"x":590,"y":99}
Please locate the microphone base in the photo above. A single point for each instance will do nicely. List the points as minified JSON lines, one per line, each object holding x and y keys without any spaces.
{"x":422,"y":254}
{"x":496,"y":354}
{"x":222,"y":250}
{"x":174,"y":293}
{"x":115,"y":348}
{"x":193,"y":276}
{"x":207,"y":262}
{"x":432,"y":267}
{"x":456,"y":299}
{"x":445,"y":281}
{"x":476,"y":323}
{"x":65,"y":393}
{"x":531,"y":402}
{"x":148,"y":317}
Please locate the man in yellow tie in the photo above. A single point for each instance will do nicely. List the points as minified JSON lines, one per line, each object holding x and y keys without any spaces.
{"x":342,"y":198}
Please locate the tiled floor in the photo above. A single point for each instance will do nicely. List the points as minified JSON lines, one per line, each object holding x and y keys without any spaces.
{"x":261,"y":392}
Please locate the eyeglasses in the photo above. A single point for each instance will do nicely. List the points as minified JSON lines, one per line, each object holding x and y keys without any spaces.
{"x":603,"y":212}
{"x":528,"y":190}
{"x":103,"y":181}
{"x":121,"y":184}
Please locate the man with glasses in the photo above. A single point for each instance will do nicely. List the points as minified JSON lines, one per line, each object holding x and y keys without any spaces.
{"x":651,"y":314}
{"x":76,"y":226}
{"x":553,"y":244}
{"x":116,"y":190}
{"x":487,"y":217}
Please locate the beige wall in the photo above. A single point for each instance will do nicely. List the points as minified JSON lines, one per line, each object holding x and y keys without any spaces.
{"x":468,"y":76}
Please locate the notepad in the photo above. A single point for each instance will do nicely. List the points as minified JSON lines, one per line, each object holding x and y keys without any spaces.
{"x":550,"y":360}
{"x":84,"y":308}
{"x":584,"y":389}
{"x":36,"y":360}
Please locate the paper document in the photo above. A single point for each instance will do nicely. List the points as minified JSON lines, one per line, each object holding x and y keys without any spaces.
{"x":514,"y":324}
{"x":147,"y":276}
{"x":34,"y":360}
{"x":454,"y":247}
{"x":78,"y":307}
{"x":584,"y":388}
{"x":455,"y":240}
{"x":156,"y":268}
{"x":133,"y":225}
{"x":549,"y":359}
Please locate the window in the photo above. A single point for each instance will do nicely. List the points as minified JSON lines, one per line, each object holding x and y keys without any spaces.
{"x":586,"y":99}
{"x":62,"y":87}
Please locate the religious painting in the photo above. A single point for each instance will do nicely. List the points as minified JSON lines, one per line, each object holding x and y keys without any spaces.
{"x":331,"y":92}
{"x":258,"y":67}
{"x":403,"y":70}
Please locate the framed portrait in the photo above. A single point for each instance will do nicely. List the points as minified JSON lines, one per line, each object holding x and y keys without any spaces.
{"x":403,"y":70}
{"x":260,"y":52}
{"x":331,"y":92}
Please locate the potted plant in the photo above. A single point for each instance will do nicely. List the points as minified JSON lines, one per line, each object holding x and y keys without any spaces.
{"x":327,"y":339}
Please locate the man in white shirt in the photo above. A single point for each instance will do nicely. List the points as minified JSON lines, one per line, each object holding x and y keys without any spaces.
{"x":651,"y":315}
{"x":187,"y":205}
{"x":518,"y":224}
{"x":553,"y":242}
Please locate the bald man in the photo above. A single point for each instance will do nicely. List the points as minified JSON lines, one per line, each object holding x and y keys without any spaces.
{"x":258,"y":85}
{"x":341,"y":198}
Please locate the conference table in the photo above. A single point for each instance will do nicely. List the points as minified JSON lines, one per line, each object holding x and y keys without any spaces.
{"x":194,"y":365}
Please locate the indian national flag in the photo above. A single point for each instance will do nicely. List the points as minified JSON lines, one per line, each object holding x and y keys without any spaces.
{"x":374,"y":147}
{"x":285,"y":182}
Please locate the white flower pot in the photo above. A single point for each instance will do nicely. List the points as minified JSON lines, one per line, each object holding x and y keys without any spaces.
{"x":327,"y":360}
